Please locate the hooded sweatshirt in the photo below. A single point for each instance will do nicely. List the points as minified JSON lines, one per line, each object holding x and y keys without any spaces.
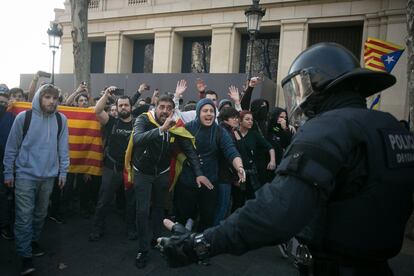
{"x":260,"y":108}
{"x":41,"y":154}
{"x":208,"y":146}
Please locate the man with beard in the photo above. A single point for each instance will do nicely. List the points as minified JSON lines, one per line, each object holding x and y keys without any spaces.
{"x":155,"y":138}
{"x":36,"y":155}
{"x":117,"y":132}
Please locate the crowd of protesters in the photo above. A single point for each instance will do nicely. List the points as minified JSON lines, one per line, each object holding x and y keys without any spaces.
{"x":227,"y":148}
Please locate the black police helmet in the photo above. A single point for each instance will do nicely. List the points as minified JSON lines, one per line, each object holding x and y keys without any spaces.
{"x":334,"y":68}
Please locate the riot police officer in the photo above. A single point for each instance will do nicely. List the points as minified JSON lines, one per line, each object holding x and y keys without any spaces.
{"x":344,"y":186}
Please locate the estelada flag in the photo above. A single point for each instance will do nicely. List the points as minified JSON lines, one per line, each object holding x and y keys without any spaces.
{"x":85,"y":138}
{"x":381,"y":55}
{"x":177,"y":159}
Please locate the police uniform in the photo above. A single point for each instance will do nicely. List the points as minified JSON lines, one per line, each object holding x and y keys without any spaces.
{"x":344,"y":187}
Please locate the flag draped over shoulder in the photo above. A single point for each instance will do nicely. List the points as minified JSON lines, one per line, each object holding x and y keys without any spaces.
{"x":380,"y":55}
{"x":177,"y":159}
{"x":85,"y":138}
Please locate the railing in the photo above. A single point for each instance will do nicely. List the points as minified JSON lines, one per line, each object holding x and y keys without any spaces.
{"x":93,"y":4}
{"x":137,"y":2}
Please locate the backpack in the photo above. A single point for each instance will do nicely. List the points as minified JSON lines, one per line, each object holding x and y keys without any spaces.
{"x":28,"y":119}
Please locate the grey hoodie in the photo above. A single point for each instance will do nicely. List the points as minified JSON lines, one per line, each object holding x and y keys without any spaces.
{"x":40,"y":155}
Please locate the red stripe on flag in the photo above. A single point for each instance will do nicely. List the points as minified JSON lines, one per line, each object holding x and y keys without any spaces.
{"x":374,"y":58}
{"x":86,"y":147}
{"x":376,"y":66}
{"x":84,"y":132}
{"x":85,"y":161}
{"x":386,"y":46}
{"x":17,"y":110}
{"x":90,"y":116}
{"x":372,"y":50}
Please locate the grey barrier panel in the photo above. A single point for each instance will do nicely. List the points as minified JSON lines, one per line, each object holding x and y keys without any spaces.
{"x":164,"y":82}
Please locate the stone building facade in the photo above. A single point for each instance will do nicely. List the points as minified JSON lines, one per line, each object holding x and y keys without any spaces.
{"x":173,"y":36}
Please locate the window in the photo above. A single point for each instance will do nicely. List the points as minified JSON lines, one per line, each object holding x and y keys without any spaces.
{"x":143,"y":56}
{"x":265,"y":55}
{"x":196,"y":55}
{"x":348,"y":36}
{"x":97,"y":57}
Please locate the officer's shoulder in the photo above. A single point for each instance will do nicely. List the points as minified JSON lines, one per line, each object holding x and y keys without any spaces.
{"x":340,"y":123}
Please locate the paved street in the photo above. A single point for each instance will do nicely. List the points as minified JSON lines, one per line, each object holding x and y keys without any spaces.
{"x":69,"y":253}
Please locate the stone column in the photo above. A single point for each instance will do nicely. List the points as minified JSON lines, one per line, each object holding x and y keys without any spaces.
{"x":66,"y":56}
{"x":293,"y":40}
{"x":225,"y":49}
{"x":112,"y":52}
{"x":126,"y":55}
{"x":168,"y":51}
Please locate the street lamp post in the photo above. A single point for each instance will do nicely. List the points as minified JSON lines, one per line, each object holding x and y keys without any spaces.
{"x":254,"y":15}
{"x":55,"y":34}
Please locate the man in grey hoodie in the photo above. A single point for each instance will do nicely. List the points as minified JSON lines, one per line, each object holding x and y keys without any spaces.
{"x":31,"y":163}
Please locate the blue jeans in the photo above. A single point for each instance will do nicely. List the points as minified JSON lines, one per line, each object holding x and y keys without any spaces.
{"x":223,"y":203}
{"x":32,"y":200}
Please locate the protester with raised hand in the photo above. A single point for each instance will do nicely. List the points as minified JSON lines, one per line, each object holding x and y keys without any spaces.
{"x":191,"y":200}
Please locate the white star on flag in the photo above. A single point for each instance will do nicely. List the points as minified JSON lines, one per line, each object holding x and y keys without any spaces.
{"x":389,"y":59}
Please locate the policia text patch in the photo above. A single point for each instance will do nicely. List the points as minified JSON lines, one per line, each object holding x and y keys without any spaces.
{"x":399,"y":146}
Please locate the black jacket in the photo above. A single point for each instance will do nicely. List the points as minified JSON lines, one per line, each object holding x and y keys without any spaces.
{"x":344,"y":189}
{"x":153,"y":150}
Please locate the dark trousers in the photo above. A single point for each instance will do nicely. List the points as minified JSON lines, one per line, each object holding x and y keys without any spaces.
{"x":241,"y":194}
{"x":88,"y":191}
{"x":147,"y":187}
{"x":191,"y":202}
{"x":6,"y":205}
{"x":61,"y":198}
{"x":111,"y":181}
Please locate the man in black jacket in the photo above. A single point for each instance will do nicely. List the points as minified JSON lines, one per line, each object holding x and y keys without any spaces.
{"x":153,"y":145}
{"x":344,"y":187}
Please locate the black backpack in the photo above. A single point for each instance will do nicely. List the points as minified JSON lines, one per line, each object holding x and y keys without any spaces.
{"x":28,"y":119}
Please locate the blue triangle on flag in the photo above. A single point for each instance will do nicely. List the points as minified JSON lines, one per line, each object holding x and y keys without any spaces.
{"x":391,"y":59}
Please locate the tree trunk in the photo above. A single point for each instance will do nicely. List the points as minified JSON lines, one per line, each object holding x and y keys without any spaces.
{"x":410,"y":63}
{"x":81,"y":52}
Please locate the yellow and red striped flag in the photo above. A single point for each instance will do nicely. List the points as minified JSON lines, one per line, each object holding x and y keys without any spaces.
{"x":380,"y":55}
{"x":85,"y":138}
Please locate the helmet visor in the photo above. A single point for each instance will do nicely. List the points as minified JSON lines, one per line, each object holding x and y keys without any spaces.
{"x":296,"y":90}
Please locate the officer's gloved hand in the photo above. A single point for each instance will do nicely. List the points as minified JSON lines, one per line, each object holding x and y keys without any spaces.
{"x":178,"y":249}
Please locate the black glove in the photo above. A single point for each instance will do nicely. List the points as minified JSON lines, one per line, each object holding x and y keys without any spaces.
{"x":178,"y":249}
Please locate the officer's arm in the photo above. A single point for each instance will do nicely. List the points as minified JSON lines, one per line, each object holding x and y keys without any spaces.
{"x":281,"y":209}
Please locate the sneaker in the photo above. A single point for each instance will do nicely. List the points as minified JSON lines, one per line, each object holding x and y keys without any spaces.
{"x":58,"y":219}
{"x":7,"y":233}
{"x":283,"y":250}
{"x":141,"y":259}
{"x":95,"y":235}
{"x":27,"y":266}
{"x":37,"y":251}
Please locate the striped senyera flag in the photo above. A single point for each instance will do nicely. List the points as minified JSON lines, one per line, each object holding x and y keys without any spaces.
{"x":85,"y":138}
{"x":380,"y":55}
